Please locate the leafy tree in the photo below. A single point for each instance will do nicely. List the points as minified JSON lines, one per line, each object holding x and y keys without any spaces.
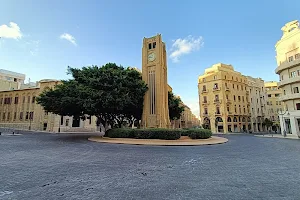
{"x":268,"y":123}
{"x":111,"y":93}
{"x":175,"y":106}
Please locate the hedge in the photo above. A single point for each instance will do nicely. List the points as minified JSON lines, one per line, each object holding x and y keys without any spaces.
{"x":163,"y":134}
{"x":199,"y":133}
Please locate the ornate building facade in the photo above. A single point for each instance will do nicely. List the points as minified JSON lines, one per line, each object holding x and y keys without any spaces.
{"x":288,"y":62}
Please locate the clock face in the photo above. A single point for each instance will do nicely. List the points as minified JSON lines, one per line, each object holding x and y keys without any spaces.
{"x":151,"y":57}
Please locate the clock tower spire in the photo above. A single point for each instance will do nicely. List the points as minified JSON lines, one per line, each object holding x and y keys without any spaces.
{"x":154,"y":73}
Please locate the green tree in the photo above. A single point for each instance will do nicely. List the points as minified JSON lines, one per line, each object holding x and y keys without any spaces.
{"x":268,"y":123}
{"x":175,"y":106}
{"x":111,"y":93}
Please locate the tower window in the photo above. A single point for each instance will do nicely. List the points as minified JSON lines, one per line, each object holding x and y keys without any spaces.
{"x":154,"y":45}
{"x":291,"y":58}
{"x":150,"y":46}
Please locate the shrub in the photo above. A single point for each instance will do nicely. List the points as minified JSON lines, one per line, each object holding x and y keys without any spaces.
{"x":199,"y":133}
{"x":163,"y":134}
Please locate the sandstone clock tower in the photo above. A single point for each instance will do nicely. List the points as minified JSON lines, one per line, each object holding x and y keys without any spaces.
{"x":154,"y":73}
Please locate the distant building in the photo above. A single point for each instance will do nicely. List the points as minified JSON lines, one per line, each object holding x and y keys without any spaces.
{"x":288,"y":62}
{"x":275,"y":105}
{"x":230,"y":101}
{"x":10,"y":80}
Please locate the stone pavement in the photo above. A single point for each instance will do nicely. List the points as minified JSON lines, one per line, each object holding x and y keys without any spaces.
{"x":45,"y":166}
{"x":183,"y":141}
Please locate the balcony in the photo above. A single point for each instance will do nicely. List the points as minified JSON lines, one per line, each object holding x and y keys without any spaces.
{"x":247,"y":92}
{"x":228,"y":101}
{"x":227,"y":89}
{"x":204,"y":91}
{"x":205,"y":114}
{"x":287,"y":65}
{"x":216,"y":89}
{"x":217,"y":114}
{"x":218,"y":101}
{"x":289,"y":97}
{"x":289,"y":81}
{"x":205,"y":102}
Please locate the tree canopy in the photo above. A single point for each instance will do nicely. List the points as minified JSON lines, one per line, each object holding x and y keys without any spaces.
{"x":112,"y":93}
{"x":175,"y":106}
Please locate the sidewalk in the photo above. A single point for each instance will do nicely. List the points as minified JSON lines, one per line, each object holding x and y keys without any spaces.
{"x":278,"y":136}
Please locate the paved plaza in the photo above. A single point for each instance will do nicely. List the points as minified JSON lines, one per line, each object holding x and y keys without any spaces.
{"x":59,"y":166}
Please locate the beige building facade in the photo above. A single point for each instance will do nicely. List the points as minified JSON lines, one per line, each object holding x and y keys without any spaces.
{"x":19,"y":110}
{"x":10,"y":80}
{"x":258,"y":99}
{"x":274,"y":104}
{"x":288,"y":62}
{"x":223,"y":99}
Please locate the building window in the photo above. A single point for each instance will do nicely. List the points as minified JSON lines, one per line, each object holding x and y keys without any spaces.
{"x":67,"y":122}
{"x":154,"y":45}
{"x":225,"y":76}
{"x":239,"y":98}
{"x":284,"y":92}
{"x":33,"y":99}
{"x":204,"y":88}
{"x":21,"y":115}
{"x":296,"y":90}
{"x":31,"y":115}
{"x":228,"y":109}
{"x":267,"y":103}
{"x":297,"y":56}
{"x":216,"y":86}
{"x":237,"y":87}
{"x":279,"y":102}
{"x":149,"y":46}
{"x":218,"y":110}
{"x":215,"y":77}
{"x":227,"y":96}
{"x":16,"y":100}
{"x":15,"y":115}
{"x":204,"y":99}
{"x":27,"y":116}
{"x":243,"y":98}
{"x":293,"y":74}
{"x":205,"y":111}
{"x":291,"y":58}
{"x":244,"y":110}
{"x":234,"y":97}
{"x":297,"y":106}
{"x":216,"y":97}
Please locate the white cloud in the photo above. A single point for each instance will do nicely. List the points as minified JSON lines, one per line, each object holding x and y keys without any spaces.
{"x":185,"y":46}
{"x":68,"y":37}
{"x":12,"y":31}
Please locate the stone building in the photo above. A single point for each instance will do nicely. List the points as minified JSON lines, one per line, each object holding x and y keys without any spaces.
{"x":10,"y":80}
{"x":288,"y":69}
{"x":274,"y":104}
{"x":19,"y":110}
{"x":258,"y":99}
{"x":223,"y":99}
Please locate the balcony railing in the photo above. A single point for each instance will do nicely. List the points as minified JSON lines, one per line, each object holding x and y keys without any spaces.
{"x":204,"y":91}
{"x":227,"y":89}
{"x":217,"y":113}
{"x":217,"y":101}
{"x":216,"y":88}
{"x":205,"y":102}
{"x":228,"y":101}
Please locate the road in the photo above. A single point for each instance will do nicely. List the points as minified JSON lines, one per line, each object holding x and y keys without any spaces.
{"x":54,"y":166}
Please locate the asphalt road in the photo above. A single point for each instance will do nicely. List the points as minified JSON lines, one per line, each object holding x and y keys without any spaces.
{"x":48,"y":166}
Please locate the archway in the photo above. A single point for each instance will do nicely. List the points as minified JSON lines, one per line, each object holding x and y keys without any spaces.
{"x":206,"y":123}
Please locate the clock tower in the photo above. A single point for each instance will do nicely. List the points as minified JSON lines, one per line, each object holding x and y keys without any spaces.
{"x":154,"y":73}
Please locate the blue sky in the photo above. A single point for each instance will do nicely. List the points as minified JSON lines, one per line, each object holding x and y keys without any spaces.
{"x":47,"y":36}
